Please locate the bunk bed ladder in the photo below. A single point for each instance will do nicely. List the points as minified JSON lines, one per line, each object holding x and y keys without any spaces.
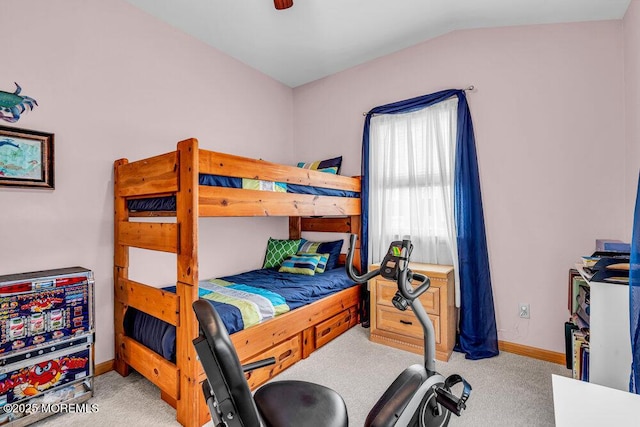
{"x":176,"y":172}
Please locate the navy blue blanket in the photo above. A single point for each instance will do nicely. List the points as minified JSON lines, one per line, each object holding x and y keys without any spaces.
{"x":297,"y":290}
{"x":169,"y":203}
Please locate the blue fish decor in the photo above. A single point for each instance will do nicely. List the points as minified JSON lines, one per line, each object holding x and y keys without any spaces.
{"x":14,"y":104}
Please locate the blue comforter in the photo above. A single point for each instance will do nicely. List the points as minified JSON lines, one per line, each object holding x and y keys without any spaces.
{"x":296,"y":289}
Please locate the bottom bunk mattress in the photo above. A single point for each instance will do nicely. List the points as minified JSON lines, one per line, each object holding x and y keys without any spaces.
{"x":242,"y":301}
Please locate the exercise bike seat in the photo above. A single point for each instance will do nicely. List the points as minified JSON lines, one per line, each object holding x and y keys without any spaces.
{"x":389,"y":407}
{"x":299,"y":403}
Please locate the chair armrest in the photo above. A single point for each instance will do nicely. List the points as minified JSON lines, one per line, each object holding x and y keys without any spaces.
{"x":258,"y":364}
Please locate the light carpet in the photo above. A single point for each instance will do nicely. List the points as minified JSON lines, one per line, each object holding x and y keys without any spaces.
{"x":508,"y":390}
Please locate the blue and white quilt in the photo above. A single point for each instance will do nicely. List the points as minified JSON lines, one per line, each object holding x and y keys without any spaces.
{"x":241,"y":301}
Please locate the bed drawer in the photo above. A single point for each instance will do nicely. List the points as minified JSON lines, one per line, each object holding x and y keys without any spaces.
{"x":331,"y":328}
{"x":286,"y":353}
{"x":404,"y":322}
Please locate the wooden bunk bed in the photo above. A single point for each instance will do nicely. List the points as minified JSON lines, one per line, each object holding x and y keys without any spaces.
{"x":289,"y":337}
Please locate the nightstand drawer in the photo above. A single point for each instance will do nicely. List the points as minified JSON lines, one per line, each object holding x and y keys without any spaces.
{"x":430,"y":300}
{"x":403,"y":322}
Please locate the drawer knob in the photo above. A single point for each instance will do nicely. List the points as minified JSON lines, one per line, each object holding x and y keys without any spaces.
{"x":406,"y":322}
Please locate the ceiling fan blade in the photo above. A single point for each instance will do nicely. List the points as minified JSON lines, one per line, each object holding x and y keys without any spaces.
{"x":283,"y":4}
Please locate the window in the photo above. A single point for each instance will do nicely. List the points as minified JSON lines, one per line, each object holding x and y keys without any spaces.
{"x":411,"y":172}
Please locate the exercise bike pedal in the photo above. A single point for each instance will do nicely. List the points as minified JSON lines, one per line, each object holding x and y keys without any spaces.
{"x":447,"y":399}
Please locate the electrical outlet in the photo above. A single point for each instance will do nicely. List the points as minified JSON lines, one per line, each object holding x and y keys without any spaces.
{"x":523,"y":309}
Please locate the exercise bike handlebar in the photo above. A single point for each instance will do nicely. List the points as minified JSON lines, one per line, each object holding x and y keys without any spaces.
{"x":405,"y":276}
{"x":407,"y":291}
{"x":349,"y":267}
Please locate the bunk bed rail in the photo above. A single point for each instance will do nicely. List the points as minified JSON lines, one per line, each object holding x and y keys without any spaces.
{"x":152,"y":366}
{"x":222,"y":164}
{"x":149,"y":177}
{"x":153,"y":301}
{"x":221,"y":201}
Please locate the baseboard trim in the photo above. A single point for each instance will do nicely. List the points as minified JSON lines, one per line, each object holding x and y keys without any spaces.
{"x":509,"y":347}
{"x":533,"y":352}
{"x":104,"y":367}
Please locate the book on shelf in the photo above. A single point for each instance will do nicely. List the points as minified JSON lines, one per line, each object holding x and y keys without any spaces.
{"x":584,"y":354}
{"x":580,"y":343}
{"x":569,"y":327}
{"x":576,"y":330}
{"x":577,"y":282}
{"x":583,"y":309}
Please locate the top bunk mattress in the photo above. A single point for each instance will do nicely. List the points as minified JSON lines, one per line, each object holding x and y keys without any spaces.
{"x":242,"y":301}
{"x":168,"y":203}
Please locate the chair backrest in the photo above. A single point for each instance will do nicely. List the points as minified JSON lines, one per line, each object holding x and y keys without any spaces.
{"x":222,"y":367}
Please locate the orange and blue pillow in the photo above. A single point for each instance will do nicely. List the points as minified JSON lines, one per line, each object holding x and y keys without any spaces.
{"x":300,"y":264}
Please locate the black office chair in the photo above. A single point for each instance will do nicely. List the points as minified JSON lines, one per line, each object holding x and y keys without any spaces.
{"x":277,"y":404}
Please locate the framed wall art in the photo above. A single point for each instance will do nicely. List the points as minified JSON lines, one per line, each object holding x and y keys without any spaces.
{"x":26,"y":158}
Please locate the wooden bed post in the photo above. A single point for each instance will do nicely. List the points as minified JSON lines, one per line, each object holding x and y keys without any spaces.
{"x":120,"y":269}
{"x":190,"y":403}
{"x":295,"y":227}
{"x":355,"y":222}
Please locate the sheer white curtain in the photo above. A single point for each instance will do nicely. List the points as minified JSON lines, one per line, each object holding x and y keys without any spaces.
{"x":412,"y":158}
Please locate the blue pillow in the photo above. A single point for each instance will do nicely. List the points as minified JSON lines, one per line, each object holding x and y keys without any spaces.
{"x":300,"y":265}
{"x":331,"y":248}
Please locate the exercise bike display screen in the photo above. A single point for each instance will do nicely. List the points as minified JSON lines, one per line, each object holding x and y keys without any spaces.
{"x":390,"y":264}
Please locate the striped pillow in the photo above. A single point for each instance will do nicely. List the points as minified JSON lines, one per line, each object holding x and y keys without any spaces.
{"x":322,"y":262}
{"x":331,"y":248}
{"x":300,"y":265}
{"x":329,"y":165}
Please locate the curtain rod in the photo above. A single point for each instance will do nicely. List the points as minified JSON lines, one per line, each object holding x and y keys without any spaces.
{"x":468,"y":88}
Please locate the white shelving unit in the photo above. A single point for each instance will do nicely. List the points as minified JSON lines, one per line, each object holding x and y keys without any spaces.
{"x":610,"y":363}
{"x":610,"y":341}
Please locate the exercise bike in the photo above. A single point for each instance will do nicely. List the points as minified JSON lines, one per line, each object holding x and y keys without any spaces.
{"x":419,"y":396}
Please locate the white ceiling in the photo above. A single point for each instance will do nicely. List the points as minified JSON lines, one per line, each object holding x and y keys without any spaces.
{"x":316,"y":38}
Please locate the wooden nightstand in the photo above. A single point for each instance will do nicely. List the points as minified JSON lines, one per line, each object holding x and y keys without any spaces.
{"x":401,"y":329}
